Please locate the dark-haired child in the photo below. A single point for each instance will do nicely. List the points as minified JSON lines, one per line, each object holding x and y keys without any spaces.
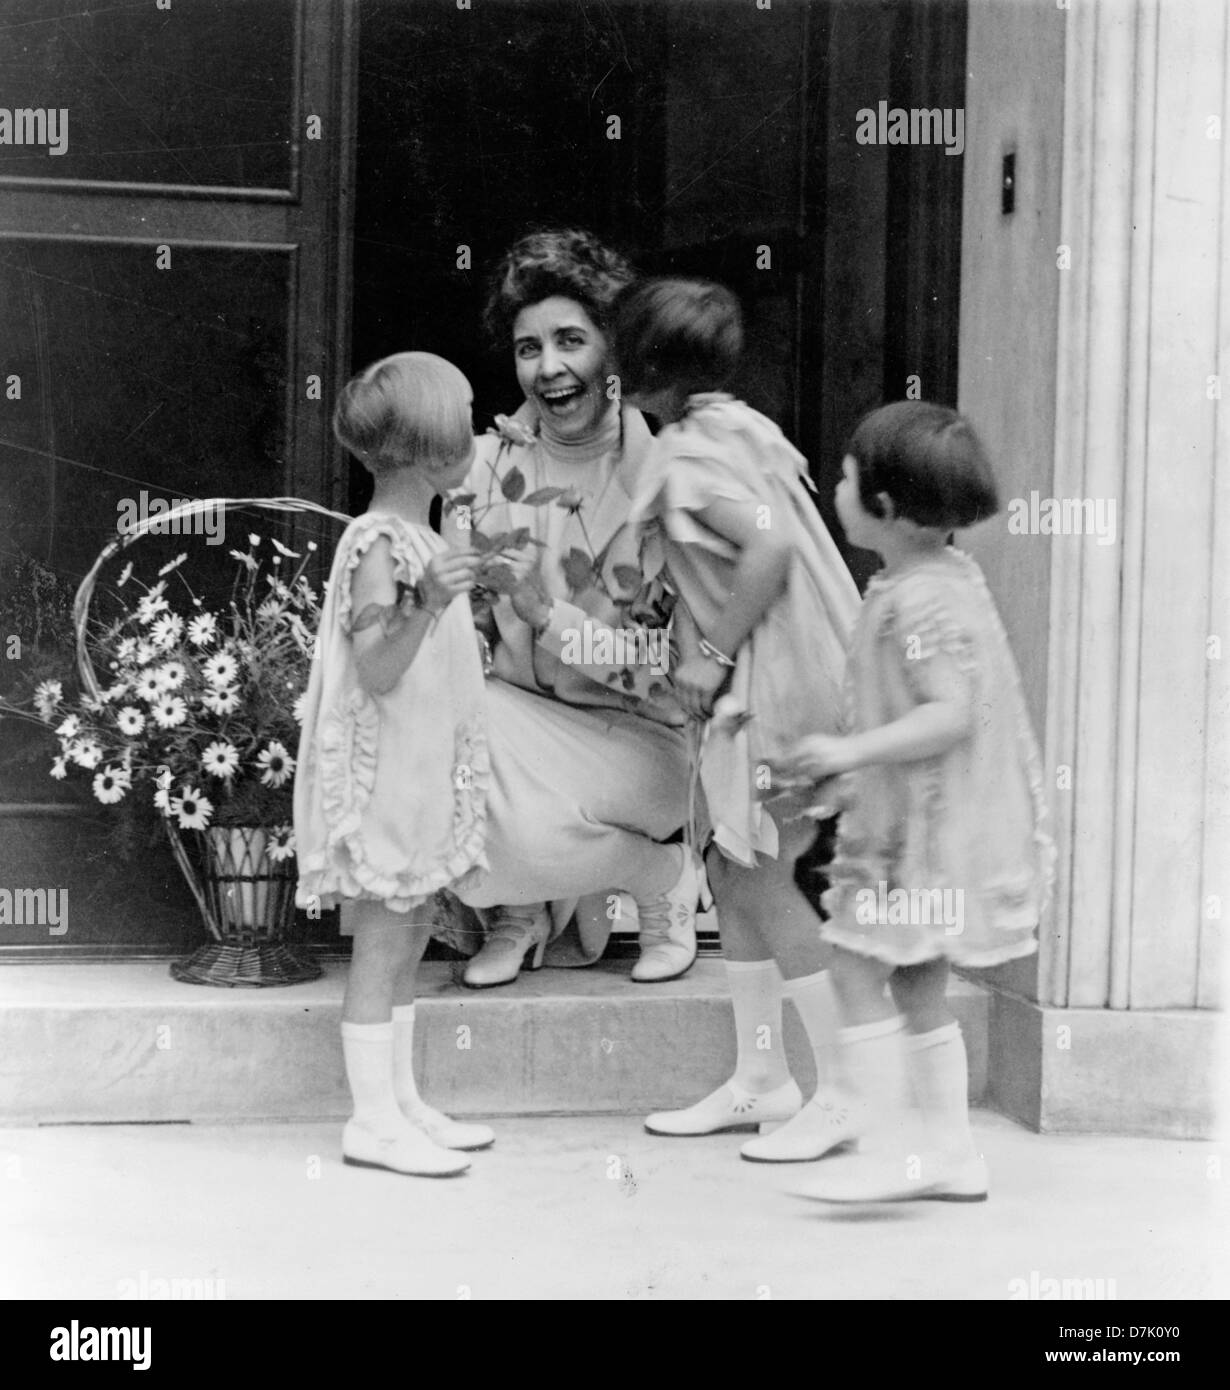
{"x":765,"y":608}
{"x":942,"y":855}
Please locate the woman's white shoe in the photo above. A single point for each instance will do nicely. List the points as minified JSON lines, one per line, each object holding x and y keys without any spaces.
{"x":407,"y":1149}
{"x":729,"y":1107}
{"x":449,"y":1133}
{"x":668,"y":927}
{"x":514,"y":933}
{"x":828,"y":1121}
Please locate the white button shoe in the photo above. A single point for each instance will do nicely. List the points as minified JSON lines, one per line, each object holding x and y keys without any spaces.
{"x":447,"y":1132}
{"x":828,"y":1121}
{"x":406,"y":1150}
{"x":729,"y":1107}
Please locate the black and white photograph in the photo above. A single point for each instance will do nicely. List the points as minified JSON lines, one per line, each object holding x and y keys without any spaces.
{"x":614,"y":662}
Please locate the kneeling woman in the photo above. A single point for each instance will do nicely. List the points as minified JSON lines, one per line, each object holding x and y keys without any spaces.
{"x":414,"y":776}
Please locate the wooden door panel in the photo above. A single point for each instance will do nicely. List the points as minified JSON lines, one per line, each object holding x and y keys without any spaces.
{"x":188,"y":138}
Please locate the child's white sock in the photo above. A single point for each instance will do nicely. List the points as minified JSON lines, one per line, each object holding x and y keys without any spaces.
{"x":816,"y":1002}
{"x":404,"y":1086}
{"x":756,"y":995}
{"x":939,"y":1069}
{"x":874,"y":1056}
{"x":368,"y":1052}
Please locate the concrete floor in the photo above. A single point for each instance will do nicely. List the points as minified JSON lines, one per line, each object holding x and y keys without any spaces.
{"x":580,"y":1208}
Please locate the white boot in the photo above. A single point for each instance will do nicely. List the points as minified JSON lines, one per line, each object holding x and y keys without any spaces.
{"x":668,"y":926}
{"x":448,"y":1133}
{"x":378,"y":1135}
{"x":513,"y":933}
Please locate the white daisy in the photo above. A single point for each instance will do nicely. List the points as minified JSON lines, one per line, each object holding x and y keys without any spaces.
{"x":125,"y":575}
{"x":162,"y":797}
{"x":147,"y":687}
{"x":282,"y":550}
{"x":220,"y":759}
{"x":171,"y":676}
{"x":169,"y":712}
{"x":110,"y":785}
{"x":167,"y":630}
{"x":131,"y":721}
{"x":145,"y":653}
{"x":220,"y":669}
{"x":202,"y":629}
{"x":245,"y":560}
{"x":47,"y":696}
{"x":127,"y":646}
{"x":152,"y":604}
{"x":174,"y":564}
{"x":269,"y":609}
{"x":85,"y":752}
{"x":59,"y":768}
{"x":299,"y":709}
{"x":221,"y":701}
{"x":277,"y":762}
{"x":115,"y":692}
{"x":253,"y":538}
{"x":70,"y":728}
{"x":281,"y":843}
{"x":192,"y":810}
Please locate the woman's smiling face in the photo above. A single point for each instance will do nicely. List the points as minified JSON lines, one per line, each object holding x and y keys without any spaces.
{"x":561,"y":356}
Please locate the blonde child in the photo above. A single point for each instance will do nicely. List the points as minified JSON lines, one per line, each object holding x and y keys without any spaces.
{"x":388,"y":804}
{"x":942,"y":856}
{"x":415,"y":775}
{"x":765,"y":608}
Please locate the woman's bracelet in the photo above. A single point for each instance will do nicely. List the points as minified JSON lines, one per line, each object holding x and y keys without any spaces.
{"x":709,"y":650}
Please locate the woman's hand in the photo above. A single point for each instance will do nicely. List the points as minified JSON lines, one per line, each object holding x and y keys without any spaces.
{"x":697,"y":682}
{"x":446,"y":577}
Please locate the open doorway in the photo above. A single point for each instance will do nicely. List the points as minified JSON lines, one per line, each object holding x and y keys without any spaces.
{"x":713,"y":137}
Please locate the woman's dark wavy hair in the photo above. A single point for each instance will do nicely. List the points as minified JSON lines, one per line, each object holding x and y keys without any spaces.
{"x":567,"y":262}
{"x":928,"y":459}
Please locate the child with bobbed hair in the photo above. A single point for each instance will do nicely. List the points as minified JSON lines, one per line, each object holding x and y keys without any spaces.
{"x":389,"y":804}
{"x":943,"y":855}
{"x":765,"y":608}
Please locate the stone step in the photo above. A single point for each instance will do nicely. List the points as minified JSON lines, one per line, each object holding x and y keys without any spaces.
{"x":124,"y":1042}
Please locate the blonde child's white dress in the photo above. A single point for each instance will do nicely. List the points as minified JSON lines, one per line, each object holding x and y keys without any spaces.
{"x":366,"y":823}
{"x":448,"y":781}
{"x":788,"y":672}
{"x":947,"y":856}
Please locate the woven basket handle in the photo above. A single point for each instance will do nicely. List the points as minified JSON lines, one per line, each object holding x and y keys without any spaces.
{"x":81,"y":604}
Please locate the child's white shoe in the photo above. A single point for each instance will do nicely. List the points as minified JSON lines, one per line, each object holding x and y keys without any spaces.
{"x":899,"y":1178}
{"x":828,"y":1121}
{"x":404,"y":1149}
{"x":447,"y":1132}
{"x":729,"y":1107}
